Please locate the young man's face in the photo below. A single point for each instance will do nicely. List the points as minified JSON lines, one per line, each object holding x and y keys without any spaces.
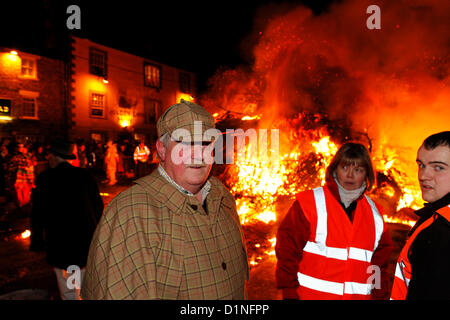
{"x":188,"y":166}
{"x":434,"y":172}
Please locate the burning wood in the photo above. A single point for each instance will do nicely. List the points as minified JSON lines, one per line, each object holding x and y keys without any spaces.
{"x":322,"y":81}
{"x":264,"y":191}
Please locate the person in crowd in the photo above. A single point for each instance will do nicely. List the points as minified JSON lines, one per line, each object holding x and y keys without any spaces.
{"x":41,"y":160}
{"x":4,"y":157}
{"x":422,"y":270}
{"x":82,"y":156}
{"x":123,"y":167}
{"x":99,"y":156}
{"x":91,"y":157}
{"x":333,"y":243}
{"x":141,"y":155}
{"x":66,"y":209}
{"x":175,"y":234}
{"x":24,"y":163}
{"x":74,"y":162}
{"x":111,"y":162}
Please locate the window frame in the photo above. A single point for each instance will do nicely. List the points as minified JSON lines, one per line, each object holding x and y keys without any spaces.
{"x":33,"y":75}
{"x":97,"y":107}
{"x":151,"y":84}
{"x":35,"y":108}
{"x":93,"y":65}
{"x":28,"y":95}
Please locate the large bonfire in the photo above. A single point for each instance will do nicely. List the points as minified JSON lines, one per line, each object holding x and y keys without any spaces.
{"x":322,"y":80}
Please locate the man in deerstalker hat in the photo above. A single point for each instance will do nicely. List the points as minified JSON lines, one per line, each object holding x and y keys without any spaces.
{"x":175,"y":234}
{"x":66,"y":209}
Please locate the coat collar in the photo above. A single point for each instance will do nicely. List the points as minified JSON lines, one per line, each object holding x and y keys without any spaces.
{"x":174,"y":199}
{"x":334,"y":189}
{"x":429,"y":210}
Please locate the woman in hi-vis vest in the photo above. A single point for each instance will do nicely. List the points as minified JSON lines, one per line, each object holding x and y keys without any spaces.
{"x":333,"y":243}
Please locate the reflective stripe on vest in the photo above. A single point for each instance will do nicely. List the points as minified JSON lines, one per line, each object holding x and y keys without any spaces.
{"x":141,"y":154}
{"x":403,"y":267}
{"x":337,"y":288}
{"x":319,"y":247}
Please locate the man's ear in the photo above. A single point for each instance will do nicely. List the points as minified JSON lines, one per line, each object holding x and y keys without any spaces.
{"x":161,"y":149}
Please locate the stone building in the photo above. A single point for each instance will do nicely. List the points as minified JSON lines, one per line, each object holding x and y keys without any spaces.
{"x":115,"y":94}
{"x":32,"y":96}
{"x":95,"y":93}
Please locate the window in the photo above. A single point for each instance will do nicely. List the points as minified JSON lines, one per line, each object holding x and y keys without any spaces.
{"x":97,"y":105}
{"x":152,"y":75}
{"x":28,"y":69}
{"x":98,"y":62}
{"x":29,"y":108}
{"x":151,"y":111}
{"x":185,"y":83}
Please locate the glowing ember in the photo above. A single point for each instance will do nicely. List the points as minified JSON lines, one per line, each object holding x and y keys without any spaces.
{"x":247,"y":118}
{"x":390,"y":219}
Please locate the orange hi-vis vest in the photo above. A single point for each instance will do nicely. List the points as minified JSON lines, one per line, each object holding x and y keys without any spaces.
{"x":336,"y":259}
{"x":403,"y":267}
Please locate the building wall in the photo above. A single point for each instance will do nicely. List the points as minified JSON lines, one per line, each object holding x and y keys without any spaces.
{"x":45,"y":86}
{"x":125,"y":87}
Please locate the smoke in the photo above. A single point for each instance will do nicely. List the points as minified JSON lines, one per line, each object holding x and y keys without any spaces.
{"x":392,"y":83}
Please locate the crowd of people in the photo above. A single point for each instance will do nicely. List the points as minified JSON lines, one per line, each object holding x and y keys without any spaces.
{"x":22,"y":162}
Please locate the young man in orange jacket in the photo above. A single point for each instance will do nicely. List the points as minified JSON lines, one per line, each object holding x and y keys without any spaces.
{"x":422,"y":270}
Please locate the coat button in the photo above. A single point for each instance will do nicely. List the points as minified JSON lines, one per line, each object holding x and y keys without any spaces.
{"x":194,"y":207}
{"x":224,"y":266}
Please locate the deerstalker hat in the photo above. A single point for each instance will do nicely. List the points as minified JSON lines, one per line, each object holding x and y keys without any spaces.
{"x":186,"y":121}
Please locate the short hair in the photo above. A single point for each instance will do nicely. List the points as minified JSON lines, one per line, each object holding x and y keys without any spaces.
{"x":353,"y":153}
{"x":165,"y":139}
{"x":437,"y":140}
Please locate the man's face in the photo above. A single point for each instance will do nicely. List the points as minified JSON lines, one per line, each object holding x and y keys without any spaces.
{"x":188,"y":165}
{"x":434,"y":172}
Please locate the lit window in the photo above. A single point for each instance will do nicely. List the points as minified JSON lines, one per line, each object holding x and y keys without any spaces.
{"x":152,"y":75}
{"x":97,"y":105}
{"x":28,"y":69}
{"x":98,"y":62}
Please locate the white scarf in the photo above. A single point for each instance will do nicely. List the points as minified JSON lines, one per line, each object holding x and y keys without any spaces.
{"x":348,"y":196}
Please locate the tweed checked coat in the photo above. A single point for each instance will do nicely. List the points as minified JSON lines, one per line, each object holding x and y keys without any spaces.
{"x":154,"y":242}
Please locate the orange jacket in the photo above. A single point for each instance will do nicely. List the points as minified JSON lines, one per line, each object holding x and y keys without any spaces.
{"x":403,"y":267}
{"x":300,"y":227}
{"x":336,"y":262}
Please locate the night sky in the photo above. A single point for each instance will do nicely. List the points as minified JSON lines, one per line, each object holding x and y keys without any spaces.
{"x":199,"y":36}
